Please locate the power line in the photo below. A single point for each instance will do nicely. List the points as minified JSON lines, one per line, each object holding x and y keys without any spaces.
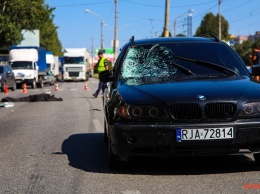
{"x":75,"y":5}
{"x":182,"y":6}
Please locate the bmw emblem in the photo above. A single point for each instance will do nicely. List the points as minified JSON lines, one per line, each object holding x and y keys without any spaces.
{"x":201,"y":97}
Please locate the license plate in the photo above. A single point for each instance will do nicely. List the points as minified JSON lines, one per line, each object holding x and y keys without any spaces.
{"x":204,"y":134}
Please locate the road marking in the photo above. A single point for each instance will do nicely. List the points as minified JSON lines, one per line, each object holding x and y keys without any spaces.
{"x":131,"y":192}
{"x":97,"y":125}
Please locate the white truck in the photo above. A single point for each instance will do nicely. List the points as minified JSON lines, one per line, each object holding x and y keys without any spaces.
{"x":76,"y":62}
{"x":28,"y":64}
{"x":52,"y":63}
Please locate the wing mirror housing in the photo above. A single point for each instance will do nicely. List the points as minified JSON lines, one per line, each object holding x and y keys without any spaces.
{"x":256,"y":70}
{"x":106,"y":76}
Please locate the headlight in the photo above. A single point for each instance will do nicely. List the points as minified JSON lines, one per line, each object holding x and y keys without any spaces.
{"x":250,"y":109}
{"x":138,"y":112}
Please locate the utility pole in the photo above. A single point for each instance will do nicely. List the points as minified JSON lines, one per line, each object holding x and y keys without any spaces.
{"x":219,"y":19}
{"x":115,"y":32}
{"x":92,"y":48}
{"x":166,"y":19}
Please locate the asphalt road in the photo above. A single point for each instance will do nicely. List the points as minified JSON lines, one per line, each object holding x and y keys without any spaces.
{"x":58,"y":147}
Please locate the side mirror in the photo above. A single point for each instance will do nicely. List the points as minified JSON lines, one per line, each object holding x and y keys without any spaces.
{"x":256,"y":70}
{"x":105,"y":76}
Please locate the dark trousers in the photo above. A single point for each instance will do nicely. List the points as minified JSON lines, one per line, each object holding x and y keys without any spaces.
{"x":100,"y":87}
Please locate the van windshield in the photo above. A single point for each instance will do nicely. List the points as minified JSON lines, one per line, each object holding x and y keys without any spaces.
{"x":21,"y":65}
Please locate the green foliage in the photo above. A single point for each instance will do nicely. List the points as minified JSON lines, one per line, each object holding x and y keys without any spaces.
{"x":170,"y":34}
{"x":16,"y":15}
{"x":244,"y":50}
{"x":180,"y":35}
{"x":209,"y":24}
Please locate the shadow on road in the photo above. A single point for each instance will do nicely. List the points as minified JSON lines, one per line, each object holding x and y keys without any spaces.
{"x":88,"y":152}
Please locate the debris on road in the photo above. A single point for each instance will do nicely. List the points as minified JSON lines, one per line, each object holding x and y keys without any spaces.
{"x":32,"y":98}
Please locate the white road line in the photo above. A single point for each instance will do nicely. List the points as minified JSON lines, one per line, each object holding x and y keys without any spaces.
{"x":97,"y":125}
{"x":131,"y":192}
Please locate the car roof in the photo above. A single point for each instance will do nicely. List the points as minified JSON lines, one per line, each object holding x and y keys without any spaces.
{"x":172,"y":39}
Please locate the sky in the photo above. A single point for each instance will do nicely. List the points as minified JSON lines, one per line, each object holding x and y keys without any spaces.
{"x":144,"y":19}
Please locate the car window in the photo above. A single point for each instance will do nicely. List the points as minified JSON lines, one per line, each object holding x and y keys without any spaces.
{"x":1,"y":69}
{"x":158,"y":61}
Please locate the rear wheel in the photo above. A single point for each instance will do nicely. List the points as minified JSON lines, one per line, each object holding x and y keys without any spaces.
{"x":41,"y":83}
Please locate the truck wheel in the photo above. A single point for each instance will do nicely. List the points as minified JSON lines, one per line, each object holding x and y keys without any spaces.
{"x":14,"y":86}
{"x":34,"y":84}
{"x":41,"y":84}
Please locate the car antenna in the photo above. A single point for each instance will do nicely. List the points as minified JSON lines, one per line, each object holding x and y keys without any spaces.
{"x":132,"y":39}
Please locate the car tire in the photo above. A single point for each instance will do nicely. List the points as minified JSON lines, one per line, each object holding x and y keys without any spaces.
{"x":112,"y":162}
{"x":105,"y":131}
{"x":257,"y":158}
{"x":34,"y":84}
{"x":41,"y":84}
{"x":14,"y":86}
{"x":3,"y":87}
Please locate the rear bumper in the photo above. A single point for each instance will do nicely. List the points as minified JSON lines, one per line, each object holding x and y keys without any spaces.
{"x":160,"y":140}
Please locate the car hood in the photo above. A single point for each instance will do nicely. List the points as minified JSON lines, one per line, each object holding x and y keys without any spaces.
{"x":218,"y":90}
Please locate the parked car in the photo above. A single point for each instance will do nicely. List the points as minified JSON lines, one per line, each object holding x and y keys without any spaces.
{"x":7,"y":77}
{"x":49,"y":78}
{"x":180,"y":96}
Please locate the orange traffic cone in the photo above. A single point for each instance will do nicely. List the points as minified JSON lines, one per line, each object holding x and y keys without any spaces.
{"x":56,"y":87}
{"x":86,"y":86}
{"x":25,"y":88}
{"x":6,"y":89}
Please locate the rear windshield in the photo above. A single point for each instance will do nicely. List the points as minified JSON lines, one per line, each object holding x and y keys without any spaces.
{"x":161,"y":60}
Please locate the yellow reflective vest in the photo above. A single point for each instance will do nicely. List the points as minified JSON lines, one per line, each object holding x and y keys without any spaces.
{"x":101,"y":64}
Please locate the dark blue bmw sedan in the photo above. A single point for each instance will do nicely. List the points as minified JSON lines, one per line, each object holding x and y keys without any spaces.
{"x":180,"y":96}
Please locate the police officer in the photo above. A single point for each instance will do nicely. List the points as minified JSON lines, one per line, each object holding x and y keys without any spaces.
{"x":102,"y":65}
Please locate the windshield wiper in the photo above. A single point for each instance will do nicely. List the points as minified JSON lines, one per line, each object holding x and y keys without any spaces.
{"x":208,"y":64}
{"x":183,"y":69}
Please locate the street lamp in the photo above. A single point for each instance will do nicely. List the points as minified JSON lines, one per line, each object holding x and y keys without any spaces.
{"x":102,"y":26}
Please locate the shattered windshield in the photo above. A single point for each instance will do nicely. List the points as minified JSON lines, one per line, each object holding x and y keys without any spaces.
{"x":153,"y":63}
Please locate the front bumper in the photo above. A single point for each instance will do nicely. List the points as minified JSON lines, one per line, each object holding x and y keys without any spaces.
{"x":21,"y":81}
{"x":131,"y":139}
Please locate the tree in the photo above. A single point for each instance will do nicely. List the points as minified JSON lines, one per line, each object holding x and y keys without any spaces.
{"x":16,"y":15}
{"x":244,"y":50}
{"x":209,"y":24}
{"x":181,"y":35}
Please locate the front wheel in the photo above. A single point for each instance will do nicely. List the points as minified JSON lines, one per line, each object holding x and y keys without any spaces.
{"x":14,"y":86}
{"x":105,"y":130}
{"x":112,"y":162}
{"x":257,"y":158}
{"x":34,"y":84}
